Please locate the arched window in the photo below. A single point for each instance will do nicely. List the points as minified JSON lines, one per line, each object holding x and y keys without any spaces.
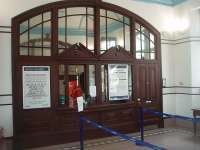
{"x":145,"y":43}
{"x":114,"y":30}
{"x":35,"y":36}
{"x":98,"y":51}
{"x":85,"y":43}
{"x":76,"y":25}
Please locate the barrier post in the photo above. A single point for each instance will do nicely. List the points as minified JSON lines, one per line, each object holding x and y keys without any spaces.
{"x":142,"y":124}
{"x":81,"y":133}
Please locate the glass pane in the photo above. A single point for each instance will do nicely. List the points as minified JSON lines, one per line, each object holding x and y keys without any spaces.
{"x":103,"y":33}
{"x":138,"y":55}
{"x":61,"y":30}
{"x":35,"y":20}
{"x":104,"y":78}
{"x":145,"y":56}
{"x":76,"y":83}
{"x":137,"y":26}
{"x":62,"y":96}
{"x":76,"y":10}
{"x":61,"y":12}
{"x":24,"y":26}
{"x":47,"y":34}
{"x":46,"y":16}
{"x":35,"y":51}
{"x":62,"y":88}
{"x":138,"y":41}
{"x":24,"y":39}
{"x":92,"y":85}
{"x":114,"y":15}
{"x":61,"y":69}
{"x":114,"y":33}
{"x":127,"y":37}
{"x":118,"y":81}
{"x":46,"y":43}
{"x":152,"y":47}
{"x":90,"y":32}
{"x":46,"y":52}
{"x":145,"y":31}
{"x":102,"y":12}
{"x":91,"y":43}
{"x":153,"y":56}
{"x":152,"y":37}
{"x":76,"y":30}
{"x":91,"y":75}
{"x":127,"y":20}
{"x":145,"y":44}
{"x":60,"y":51}
{"x":23,"y":51}
{"x":36,"y":36}
{"x":90,"y":11}
{"x":130,"y":81}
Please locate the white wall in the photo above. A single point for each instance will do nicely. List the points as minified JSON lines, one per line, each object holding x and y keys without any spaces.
{"x":189,"y":12}
{"x":5,"y":83}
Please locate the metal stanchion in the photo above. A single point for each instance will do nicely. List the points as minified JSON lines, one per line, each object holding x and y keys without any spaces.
{"x":142,"y":124}
{"x":81,"y":133}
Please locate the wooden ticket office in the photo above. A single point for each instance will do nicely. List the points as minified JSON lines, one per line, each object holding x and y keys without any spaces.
{"x":78,"y":41}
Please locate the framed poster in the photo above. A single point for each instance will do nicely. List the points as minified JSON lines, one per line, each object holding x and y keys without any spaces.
{"x":36,"y":87}
{"x":118,"y":81}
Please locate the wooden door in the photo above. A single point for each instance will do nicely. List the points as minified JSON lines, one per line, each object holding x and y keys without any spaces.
{"x":153,"y":83}
{"x":141,"y":80}
{"x":147,"y":78}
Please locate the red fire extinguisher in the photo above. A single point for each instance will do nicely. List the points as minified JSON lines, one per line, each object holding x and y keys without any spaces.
{"x":74,"y":92}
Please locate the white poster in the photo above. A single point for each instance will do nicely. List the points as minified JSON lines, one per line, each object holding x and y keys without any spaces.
{"x":80,"y":103}
{"x":36,"y":87}
{"x":118,"y":81}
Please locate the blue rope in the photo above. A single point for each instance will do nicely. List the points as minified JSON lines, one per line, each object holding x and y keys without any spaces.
{"x":170,"y":115}
{"x":123,"y":136}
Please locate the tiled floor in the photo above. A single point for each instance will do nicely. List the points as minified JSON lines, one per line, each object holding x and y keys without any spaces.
{"x":169,"y":138}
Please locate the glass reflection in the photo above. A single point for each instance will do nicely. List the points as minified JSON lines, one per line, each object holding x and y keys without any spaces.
{"x":114,"y":30}
{"x":145,"y":43}
{"x":76,"y":25}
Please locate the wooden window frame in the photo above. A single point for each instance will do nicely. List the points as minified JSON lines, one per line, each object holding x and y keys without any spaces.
{"x":80,"y":55}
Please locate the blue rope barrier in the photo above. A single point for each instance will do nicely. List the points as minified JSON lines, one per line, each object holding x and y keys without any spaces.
{"x":197,"y":120}
{"x":81,"y":135}
{"x":123,"y":136}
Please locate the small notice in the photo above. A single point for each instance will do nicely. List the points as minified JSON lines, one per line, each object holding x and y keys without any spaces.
{"x":80,"y":103}
{"x":36,"y":87}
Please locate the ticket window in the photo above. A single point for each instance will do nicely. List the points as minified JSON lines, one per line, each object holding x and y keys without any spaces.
{"x":76,"y":81}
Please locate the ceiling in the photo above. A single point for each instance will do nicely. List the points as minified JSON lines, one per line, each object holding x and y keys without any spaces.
{"x":164,"y":2}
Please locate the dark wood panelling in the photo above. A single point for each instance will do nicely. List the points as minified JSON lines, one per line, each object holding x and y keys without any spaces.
{"x":59,"y":124}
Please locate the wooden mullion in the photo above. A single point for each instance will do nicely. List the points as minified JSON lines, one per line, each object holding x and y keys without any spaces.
{"x":66,"y":28}
{"x":97,"y":31}
{"x":124,"y":32}
{"x":107,"y":82}
{"x":28,"y":37}
{"x":141,"y":41}
{"x":54,"y":32}
{"x":106,"y":30}
{"x":132,"y":38}
{"x":86,"y":27}
{"x":66,"y":80}
{"x":42,"y":42}
{"x":86,"y":74}
{"x":98,"y":81}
